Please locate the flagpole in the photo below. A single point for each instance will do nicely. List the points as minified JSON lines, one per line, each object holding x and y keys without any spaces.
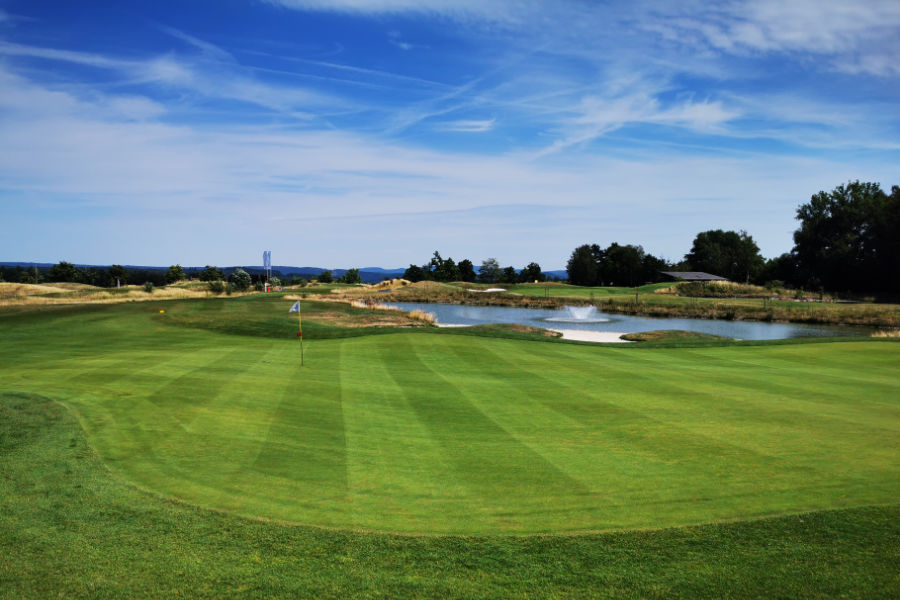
{"x":300,"y":331}
{"x":296,"y":308}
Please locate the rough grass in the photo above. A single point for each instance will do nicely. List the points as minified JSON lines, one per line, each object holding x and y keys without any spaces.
{"x":15,"y":294}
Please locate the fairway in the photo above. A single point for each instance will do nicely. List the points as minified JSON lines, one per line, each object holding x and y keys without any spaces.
{"x":432,"y":433}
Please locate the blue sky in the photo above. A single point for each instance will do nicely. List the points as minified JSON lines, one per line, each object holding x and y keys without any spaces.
{"x":372,"y":132}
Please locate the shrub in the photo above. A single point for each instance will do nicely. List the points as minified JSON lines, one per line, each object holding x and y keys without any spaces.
{"x":216,"y":286}
{"x":240,"y":280}
{"x":148,"y":287}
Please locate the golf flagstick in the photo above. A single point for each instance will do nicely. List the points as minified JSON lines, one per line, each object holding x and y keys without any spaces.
{"x":296,"y":308}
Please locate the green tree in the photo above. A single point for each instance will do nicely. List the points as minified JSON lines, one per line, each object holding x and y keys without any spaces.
{"x":509,"y":275}
{"x":240,"y":280}
{"x":211,"y":273}
{"x":31,"y":275}
{"x":351,"y":276}
{"x":849,"y":238}
{"x":621,"y":265}
{"x":582,"y":266}
{"x":118,"y":275}
{"x":414,"y":273}
{"x":532,"y":272}
{"x":729,"y":254}
{"x":325,"y":277}
{"x":63,"y":271}
{"x":443,"y":269}
{"x":466,"y":270}
{"x":175,"y":273}
{"x":489,"y":271}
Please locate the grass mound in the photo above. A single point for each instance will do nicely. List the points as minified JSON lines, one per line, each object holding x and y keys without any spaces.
{"x":672,"y":335}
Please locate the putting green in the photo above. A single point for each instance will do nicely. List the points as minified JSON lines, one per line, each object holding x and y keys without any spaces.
{"x":435,"y":433}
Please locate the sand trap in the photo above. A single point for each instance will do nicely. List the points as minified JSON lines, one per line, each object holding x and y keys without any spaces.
{"x":487,"y":290}
{"x":580,"y":335}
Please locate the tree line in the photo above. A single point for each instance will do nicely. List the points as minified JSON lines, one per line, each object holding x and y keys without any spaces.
{"x":848,"y":240}
{"x":446,"y":269}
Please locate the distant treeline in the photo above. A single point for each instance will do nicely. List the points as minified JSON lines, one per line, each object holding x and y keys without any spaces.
{"x":446,"y":269}
{"x":848,"y":240}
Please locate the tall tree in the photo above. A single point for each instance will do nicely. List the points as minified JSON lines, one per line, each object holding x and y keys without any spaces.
{"x":414,"y":273}
{"x":729,"y":254}
{"x":211,"y":273}
{"x":351,"y":276}
{"x":443,"y":269}
{"x":240,"y":279}
{"x":175,"y":273}
{"x":62,"y":271}
{"x":118,"y":275}
{"x":489,"y":271}
{"x":509,"y":275}
{"x":466,"y":270}
{"x":582,"y":266}
{"x":532,"y":272}
{"x":849,"y":238}
{"x":621,"y":265}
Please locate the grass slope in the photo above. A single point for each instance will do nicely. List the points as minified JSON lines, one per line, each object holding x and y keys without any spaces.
{"x":459,"y":434}
{"x":70,"y":529}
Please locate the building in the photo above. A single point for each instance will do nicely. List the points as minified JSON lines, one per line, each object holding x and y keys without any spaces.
{"x":692,"y":276}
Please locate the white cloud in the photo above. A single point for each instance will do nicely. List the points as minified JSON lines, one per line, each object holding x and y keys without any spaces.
{"x":470,"y":125}
{"x":220,"y":80}
{"x":860,"y":37}
{"x":494,"y":10}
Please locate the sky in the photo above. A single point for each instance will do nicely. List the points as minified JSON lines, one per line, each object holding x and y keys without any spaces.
{"x":357,"y":133}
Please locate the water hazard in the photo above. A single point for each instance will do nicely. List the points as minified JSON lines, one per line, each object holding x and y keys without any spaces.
{"x":588,"y":318}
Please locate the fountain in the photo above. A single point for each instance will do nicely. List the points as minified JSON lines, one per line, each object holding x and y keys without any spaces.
{"x":579,"y":314}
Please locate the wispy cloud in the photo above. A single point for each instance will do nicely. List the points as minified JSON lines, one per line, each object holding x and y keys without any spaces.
{"x":470,"y":126}
{"x":223,"y":80}
{"x":859,"y":36}
{"x":496,"y":10}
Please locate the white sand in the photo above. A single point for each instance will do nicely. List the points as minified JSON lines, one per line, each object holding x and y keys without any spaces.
{"x":489,"y":290}
{"x":607,"y":337}
{"x":580,"y":335}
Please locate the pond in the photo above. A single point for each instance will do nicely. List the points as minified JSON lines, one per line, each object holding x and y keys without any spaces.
{"x":589,"y":319}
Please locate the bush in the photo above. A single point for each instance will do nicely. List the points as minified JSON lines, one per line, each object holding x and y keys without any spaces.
{"x":240,"y":280}
{"x":216,"y":286}
{"x":148,"y":287}
{"x":229,"y":288}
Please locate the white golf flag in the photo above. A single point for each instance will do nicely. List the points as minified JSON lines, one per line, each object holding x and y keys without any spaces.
{"x":296,"y":307}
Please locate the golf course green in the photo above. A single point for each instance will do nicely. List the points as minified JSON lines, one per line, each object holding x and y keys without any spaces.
{"x":427,"y":432}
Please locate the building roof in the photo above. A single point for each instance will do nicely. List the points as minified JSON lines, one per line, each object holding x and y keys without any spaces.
{"x":693,"y":276}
